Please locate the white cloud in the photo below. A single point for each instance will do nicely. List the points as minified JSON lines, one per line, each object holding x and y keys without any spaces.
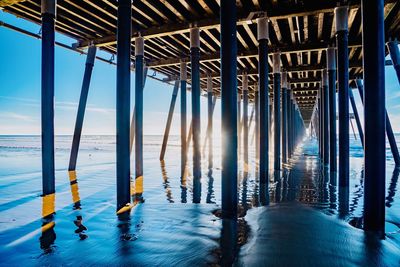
{"x":20,"y":99}
{"x":16,"y":116}
{"x":65,"y":105}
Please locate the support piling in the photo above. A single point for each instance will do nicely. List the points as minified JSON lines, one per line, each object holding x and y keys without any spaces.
{"x":374,"y":115}
{"x":132,"y":134}
{"x":169,"y":120}
{"x":139,"y":56}
{"x":325,"y":120}
{"x":257,"y":125}
{"x":195,"y":75}
{"x":262,"y":36}
{"x":82,"y":107}
{"x":289,"y":122}
{"x":229,"y":110}
{"x":341,"y":18}
{"x":183,"y":78}
{"x":210,"y":109}
{"x":123,"y":101}
{"x":331,"y":66}
{"x":48,"y":9}
{"x":355,"y":112}
{"x":245,"y":124}
{"x":284,"y":118}
{"x":277,"y":110}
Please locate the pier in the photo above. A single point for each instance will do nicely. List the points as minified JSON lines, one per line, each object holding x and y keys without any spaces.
{"x":284,"y":75}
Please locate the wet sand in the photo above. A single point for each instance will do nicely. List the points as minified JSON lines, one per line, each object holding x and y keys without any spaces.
{"x":292,"y":234}
{"x":306,"y":221}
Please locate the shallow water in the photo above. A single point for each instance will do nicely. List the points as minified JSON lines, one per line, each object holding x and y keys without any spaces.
{"x":162,"y":231}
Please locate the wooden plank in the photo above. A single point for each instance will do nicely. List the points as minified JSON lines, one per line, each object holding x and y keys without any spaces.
{"x":305,"y":19}
{"x":206,"y":7}
{"x":243,"y":54}
{"x":352,"y":16}
{"x":250,"y":33}
{"x":277,"y":31}
{"x":212,"y":37}
{"x":333,"y":28}
{"x":320,"y":25}
{"x":172,"y":9}
{"x":213,"y":23}
{"x":155,"y":10}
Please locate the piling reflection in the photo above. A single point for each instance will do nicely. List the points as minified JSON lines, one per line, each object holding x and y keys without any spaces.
{"x":196,"y":189}
{"x":76,"y":201}
{"x":124,"y":228}
{"x":292,"y":186}
{"x":324,"y":188}
{"x":392,"y":187}
{"x":228,"y":241}
{"x":264,"y":195}
{"x":73,"y":181}
{"x":184,"y":187}
{"x":357,"y":195}
{"x":278,"y":186}
{"x":332,"y":191}
{"x":244,"y":191}
{"x":285,"y":185}
{"x":81,"y":230}
{"x":255,"y":197}
{"x":210,"y":188}
{"x":343,"y":202}
{"x":48,"y":235}
{"x":166,"y":184}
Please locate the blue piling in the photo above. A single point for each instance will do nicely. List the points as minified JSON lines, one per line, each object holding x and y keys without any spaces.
{"x":277,"y":110}
{"x":195,"y":73}
{"x":183,"y":78}
{"x":325,"y":120}
{"x":262,"y":36}
{"x":284,"y":119}
{"x":374,"y":115}
{"x":229,"y":110}
{"x":123,"y":101}
{"x":331,"y":67}
{"x":47,"y":113}
{"x":357,"y":117}
{"x":82,"y":107}
{"x":341,"y":15}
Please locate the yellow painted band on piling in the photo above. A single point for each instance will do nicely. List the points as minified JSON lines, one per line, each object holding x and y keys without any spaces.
{"x":124,"y":209}
{"x":48,"y":226}
{"x":128,"y":207}
{"x":75,"y":192}
{"x":48,"y":204}
{"x":139,"y":185}
{"x":72,"y":176}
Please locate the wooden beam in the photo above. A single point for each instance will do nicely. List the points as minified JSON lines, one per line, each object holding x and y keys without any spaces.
{"x":213,"y":23}
{"x":292,"y":34}
{"x":244,"y":54}
{"x":320,"y":25}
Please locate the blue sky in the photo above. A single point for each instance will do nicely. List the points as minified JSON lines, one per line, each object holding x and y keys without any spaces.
{"x":20,"y":90}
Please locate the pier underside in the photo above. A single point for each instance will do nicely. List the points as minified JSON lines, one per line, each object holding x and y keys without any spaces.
{"x":297,"y":193}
